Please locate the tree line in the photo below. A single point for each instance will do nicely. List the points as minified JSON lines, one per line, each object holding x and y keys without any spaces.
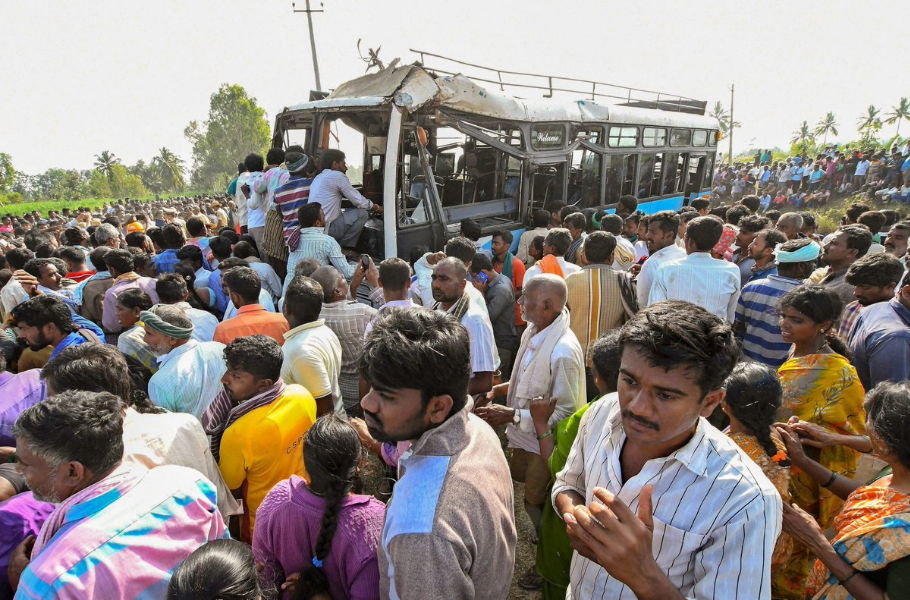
{"x":236,"y":126}
{"x":808,"y":138}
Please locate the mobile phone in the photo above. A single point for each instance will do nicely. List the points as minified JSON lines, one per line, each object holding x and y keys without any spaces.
{"x":481,"y":278}
{"x":365,"y":262}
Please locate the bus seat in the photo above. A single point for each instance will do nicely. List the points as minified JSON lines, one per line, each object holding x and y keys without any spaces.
{"x":511,"y":186}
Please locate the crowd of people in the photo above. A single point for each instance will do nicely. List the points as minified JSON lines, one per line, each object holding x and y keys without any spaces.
{"x":190,"y":387}
{"x":803,"y":182}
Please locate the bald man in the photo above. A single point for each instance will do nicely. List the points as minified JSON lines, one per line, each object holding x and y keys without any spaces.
{"x":789,"y":224}
{"x":550,"y":360}
{"x":449,"y":286}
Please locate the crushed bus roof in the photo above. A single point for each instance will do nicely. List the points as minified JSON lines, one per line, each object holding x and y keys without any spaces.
{"x":412,"y":87}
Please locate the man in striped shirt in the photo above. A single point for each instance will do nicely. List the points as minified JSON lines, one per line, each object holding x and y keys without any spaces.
{"x":293,"y":194}
{"x":119,"y":530}
{"x":658,"y":503}
{"x":757,"y":310}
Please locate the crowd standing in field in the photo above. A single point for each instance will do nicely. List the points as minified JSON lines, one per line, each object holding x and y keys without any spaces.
{"x":188,"y":388}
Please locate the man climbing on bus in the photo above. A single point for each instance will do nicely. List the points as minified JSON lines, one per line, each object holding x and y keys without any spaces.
{"x":329,"y":187}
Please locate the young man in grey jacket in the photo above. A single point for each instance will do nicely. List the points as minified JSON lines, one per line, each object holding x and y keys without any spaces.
{"x":450,"y":529}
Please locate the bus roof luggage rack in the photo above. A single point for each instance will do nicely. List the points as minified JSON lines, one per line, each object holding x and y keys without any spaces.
{"x":620,"y":95}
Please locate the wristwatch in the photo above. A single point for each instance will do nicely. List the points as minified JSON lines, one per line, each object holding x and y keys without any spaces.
{"x":516,"y":416}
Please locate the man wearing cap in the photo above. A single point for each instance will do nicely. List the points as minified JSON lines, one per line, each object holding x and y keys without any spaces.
{"x":220,"y":216}
{"x":757,"y":310}
{"x":189,"y":372}
{"x":293,"y":194}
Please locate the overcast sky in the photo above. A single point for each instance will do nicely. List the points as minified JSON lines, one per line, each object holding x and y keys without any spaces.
{"x":128,"y":76}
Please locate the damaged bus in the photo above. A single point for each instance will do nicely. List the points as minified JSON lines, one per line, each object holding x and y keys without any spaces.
{"x":439,"y":147}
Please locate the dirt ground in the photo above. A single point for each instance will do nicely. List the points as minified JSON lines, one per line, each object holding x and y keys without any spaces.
{"x":373,"y":475}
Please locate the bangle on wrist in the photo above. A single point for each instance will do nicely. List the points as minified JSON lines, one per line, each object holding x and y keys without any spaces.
{"x":830,"y":481}
{"x":549,"y":432}
{"x":841,"y":582}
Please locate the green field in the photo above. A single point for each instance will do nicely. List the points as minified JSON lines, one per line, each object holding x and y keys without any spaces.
{"x":43,"y":206}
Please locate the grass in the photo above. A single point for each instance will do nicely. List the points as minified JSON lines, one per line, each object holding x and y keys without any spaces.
{"x":43,"y":206}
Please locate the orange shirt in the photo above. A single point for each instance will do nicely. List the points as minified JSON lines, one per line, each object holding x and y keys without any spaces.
{"x":250,"y":320}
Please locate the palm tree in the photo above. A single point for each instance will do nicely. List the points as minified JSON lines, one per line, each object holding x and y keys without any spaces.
{"x":828,"y":124}
{"x":870,"y":120}
{"x":105,"y":162}
{"x":803,"y":137}
{"x":172,"y":165}
{"x":898,"y":114}
{"x":722,"y":116}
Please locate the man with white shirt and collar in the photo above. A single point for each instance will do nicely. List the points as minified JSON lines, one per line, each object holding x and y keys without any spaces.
{"x":452,"y":296}
{"x":393,"y":283}
{"x":550,"y":360}
{"x":698,"y":278}
{"x":555,"y":246}
{"x":661,"y":238}
{"x":680,"y":510}
{"x":328,"y":189}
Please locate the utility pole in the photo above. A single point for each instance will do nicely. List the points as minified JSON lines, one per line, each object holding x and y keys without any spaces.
{"x":309,"y":17}
{"x":730,"y":153}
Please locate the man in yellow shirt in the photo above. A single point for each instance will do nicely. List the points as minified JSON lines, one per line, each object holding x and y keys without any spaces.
{"x":257,"y":424}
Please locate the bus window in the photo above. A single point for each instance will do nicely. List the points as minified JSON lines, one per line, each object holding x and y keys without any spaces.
{"x":649,"y":175}
{"x":547,"y":183}
{"x":584,"y":178}
{"x":654,"y":137}
{"x":680,"y":137}
{"x":709,"y":167}
{"x":352,"y":143}
{"x":623,"y":137}
{"x":700,"y":137}
{"x":712,"y":139}
{"x":693,"y":175}
{"x":672,"y":169}
{"x":620,"y":169}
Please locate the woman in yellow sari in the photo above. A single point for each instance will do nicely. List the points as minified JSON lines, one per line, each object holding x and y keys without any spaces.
{"x":869,"y":556}
{"x":820,"y":386}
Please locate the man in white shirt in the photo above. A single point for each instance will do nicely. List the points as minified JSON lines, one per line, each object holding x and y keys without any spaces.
{"x":680,"y":510}
{"x":661,"y":239}
{"x":240,"y":199}
{"x":254,"y":201}
{"x":550,"y":360}
{"x":270,"y":280}
{"x":449,"y":283}
{"x":312,"y":351}
{"x":699,"y":278}
{"x":555,"y":246}
{"x":624,"y":255}
{"x":421,"y":290}
{"x":328,"y":188}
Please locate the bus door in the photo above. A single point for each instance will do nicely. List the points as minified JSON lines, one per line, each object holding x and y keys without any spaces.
{"x":420,"y":220}
{"x":585,"y":189}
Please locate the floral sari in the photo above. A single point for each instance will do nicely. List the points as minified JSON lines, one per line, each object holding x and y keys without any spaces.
{"x":871,"y":532}
{"x":780,"y":477}
{"x":822,"y":389}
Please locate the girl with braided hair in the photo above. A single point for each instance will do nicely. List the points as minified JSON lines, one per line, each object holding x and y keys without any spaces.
{"x":320,"y":540}
{"x":752,"y":401}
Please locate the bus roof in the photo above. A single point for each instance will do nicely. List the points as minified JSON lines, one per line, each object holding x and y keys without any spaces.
{"x":412,"y":87}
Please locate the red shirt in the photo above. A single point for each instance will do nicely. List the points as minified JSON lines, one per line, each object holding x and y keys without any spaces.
{"x":80,"y":276}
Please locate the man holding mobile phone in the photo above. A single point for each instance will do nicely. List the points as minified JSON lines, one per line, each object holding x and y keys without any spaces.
{"x":500,"y":300}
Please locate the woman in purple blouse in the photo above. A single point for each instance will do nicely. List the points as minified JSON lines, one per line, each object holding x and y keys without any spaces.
{"x":320,"y":538}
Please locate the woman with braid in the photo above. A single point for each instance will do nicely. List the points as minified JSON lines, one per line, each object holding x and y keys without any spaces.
{"x":752,"y":401}
{"x":320,"y":539}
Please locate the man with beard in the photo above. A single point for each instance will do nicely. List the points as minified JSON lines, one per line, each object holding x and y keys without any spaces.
{"x":658,"y":503}
{"x":119,"y":529}
{"x":189,"y":372}
{"x":448,"y":285}
{"x":749,"y":227}
{"x":874,"y":278}
{"x":661,"y":238}
{"x":449,"y":529}
{"x":762,"y":250}
{"x":851,"y":242}
{"x":896,"y":242}
{"x":257,"y":423}
{"x":47,"y":321}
